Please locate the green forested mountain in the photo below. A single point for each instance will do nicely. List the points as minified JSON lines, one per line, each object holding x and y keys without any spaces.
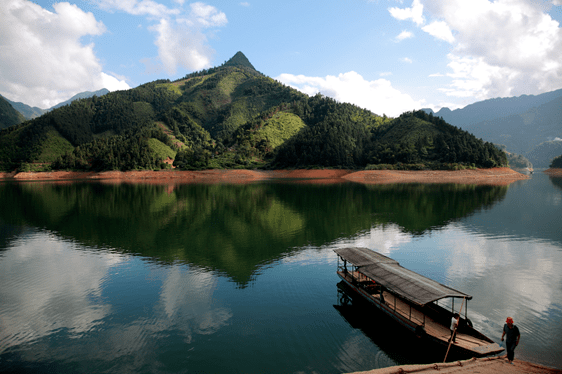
{"x":232,"y":116}
{"x":8,"y":115}
{"x":542,"y":155}
{"x":27,"y":111}
{"x":556,"y":162}
{"x":81,"y":95}
{"x":526,"y":125}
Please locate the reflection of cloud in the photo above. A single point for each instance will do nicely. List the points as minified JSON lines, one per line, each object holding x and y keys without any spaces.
{"x":524,"y":268}
{"x":187,"y":301}
{"x":357,"y":351}
{"x":383,"y":239}
{"x":51,"y":289}
{"x":507,"y":277}
{"x":48,"y":285}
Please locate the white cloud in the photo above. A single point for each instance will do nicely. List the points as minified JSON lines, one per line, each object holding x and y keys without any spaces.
{"x":204,"y":16}
{"x":378,"y":96}
{"x":415,"y":13}
{"x":138,"y":8}
{"x":406,"y":60}
{"x":245,"y":3}
{"x":113,"y":83}
{"x":440,"y":30}
{"x":43,"y":60}
{"x":404,"y":35}
{"x":182,"y":41}
{"x":499,"y":48}
{"x":180,"y":45}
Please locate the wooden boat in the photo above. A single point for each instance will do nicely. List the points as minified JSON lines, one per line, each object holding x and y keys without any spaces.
{"x":412,"y":300}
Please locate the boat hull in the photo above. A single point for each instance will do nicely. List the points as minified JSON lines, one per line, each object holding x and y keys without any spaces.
{"x":485,"y":347}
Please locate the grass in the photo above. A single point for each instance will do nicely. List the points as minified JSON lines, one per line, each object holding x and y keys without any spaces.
{"x":54,"y":147}
{"x":280,"y":127}
{"x":161,"y":150}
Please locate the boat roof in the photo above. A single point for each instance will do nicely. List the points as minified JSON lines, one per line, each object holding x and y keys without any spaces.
{"x":396,"y":279}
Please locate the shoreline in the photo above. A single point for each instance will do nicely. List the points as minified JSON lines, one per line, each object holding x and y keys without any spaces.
{"x":495,"y":176}
{"x":489,"y":365}
{"x":554,"y":172}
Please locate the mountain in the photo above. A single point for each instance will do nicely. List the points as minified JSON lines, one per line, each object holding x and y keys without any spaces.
{"x":239,"y":60}
{"x":81,"y":95}
{"x":27,"y":111}
{"x":8,"y":115}
{"x":542,"y":155}
{"x":520,"y":123}
{"x":491,"y":109}
{"x":233,"y":116}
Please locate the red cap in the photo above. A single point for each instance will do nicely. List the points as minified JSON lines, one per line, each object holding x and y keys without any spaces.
{"x":509,"y":320}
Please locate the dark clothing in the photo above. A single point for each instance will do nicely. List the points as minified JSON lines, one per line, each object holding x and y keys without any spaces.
{"x":511,"y":335}
{"x":510,"y":348}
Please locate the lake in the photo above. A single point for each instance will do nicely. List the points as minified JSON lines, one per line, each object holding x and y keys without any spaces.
{"x":241,"y":278}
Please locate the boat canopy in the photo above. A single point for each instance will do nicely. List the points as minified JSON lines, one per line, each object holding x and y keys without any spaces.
{"x":396,"y":279}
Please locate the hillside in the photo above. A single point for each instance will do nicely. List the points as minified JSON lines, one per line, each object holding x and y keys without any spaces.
{"x":8,"y":115}
{"x":232,"y":116}
{"x":27,"y":111}
{"x":491,"y":109}
{"x":523,"y":124}
{"x":81,"y":95}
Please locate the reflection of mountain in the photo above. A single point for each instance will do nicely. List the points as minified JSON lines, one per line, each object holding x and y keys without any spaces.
{"x":556,"y":181}
{"x":531,"y":210}
{"x":232,"y":228}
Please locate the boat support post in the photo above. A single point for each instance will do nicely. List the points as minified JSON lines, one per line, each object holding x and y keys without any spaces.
{"x":455,"y":331}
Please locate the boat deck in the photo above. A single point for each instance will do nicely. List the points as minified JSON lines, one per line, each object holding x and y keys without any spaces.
{"x":435,"y":329}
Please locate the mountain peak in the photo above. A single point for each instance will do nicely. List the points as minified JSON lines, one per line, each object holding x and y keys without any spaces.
{"x":239,"y":60}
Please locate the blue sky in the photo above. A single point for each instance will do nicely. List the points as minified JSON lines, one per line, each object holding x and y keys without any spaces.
{"x":388,"y":56}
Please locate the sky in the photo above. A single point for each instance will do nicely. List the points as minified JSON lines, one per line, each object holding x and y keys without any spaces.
{"x":388,"y":56}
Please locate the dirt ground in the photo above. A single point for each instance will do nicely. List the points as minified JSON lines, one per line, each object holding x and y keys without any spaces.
{"x":496,"y":176}
{"x":554,"y":172}
{"x":492,"y":365}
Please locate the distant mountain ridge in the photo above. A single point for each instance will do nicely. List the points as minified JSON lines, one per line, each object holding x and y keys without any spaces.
{"x":81,"y":95}
{"x":29,"y":112}
{"x":8,"y":115}
{"x":523,"y":124}
{"x":491,"y":109}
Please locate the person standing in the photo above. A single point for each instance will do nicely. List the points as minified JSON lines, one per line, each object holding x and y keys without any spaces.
{"x":511,"y":332}
{"x":454,"y":325}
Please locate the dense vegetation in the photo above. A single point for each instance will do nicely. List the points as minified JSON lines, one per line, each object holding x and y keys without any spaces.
{"x":8,"y":115}
{"x":232,"y":116}
{"x":556,"y":162}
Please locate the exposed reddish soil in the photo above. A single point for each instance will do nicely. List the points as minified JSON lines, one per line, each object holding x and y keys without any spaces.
{"x":493,"y":365}
{"x":554,"y":172}
{"x":497,"y":176}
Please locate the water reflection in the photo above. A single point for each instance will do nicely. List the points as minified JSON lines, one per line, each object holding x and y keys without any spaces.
{"x":60,"y":303}
{"x":139,"y":278}
{"x":507,"y":276}
{"x":234,"y":229}
{"x":47,"y":285}
{"x":556,"y":181}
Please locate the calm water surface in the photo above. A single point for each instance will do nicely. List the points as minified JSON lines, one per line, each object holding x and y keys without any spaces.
{"x":241,"y":278}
